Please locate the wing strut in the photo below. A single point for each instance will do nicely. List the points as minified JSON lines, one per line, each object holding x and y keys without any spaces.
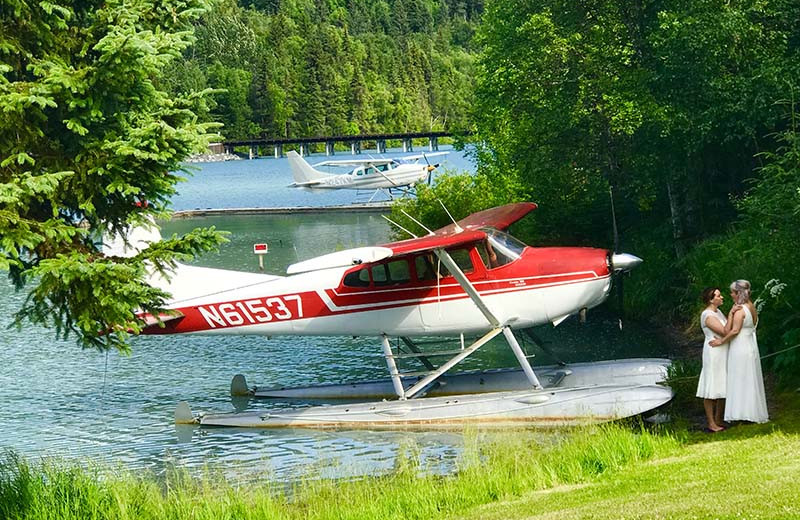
{"x":465,"y":284}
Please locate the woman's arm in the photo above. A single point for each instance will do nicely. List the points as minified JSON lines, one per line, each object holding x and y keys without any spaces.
{"x":737,"y":320}
{"x":713,"y":323}
{"x":729,"y":323}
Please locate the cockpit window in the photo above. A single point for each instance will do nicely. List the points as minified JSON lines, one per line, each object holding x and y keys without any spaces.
{"x":499,"y":248}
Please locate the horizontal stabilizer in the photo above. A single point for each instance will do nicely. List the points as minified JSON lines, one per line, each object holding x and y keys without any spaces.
{"x":164,"y":317}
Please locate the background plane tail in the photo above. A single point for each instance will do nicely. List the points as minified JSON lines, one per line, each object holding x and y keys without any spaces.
{"x":302,"y":172}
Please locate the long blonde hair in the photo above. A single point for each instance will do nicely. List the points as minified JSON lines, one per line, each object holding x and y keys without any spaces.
{"x":741,"y":289}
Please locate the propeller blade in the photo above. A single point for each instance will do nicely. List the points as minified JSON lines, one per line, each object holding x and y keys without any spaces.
{"x":613,"y":219}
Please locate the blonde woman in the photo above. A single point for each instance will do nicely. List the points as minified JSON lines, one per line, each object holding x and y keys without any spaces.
{"x":712,"y":386}
{"x":746,"y":399}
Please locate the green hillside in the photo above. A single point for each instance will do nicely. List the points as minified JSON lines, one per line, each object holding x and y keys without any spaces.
{"x":336,"y":67}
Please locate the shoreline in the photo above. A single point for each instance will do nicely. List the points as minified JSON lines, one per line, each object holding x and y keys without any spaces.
{"x":379,"y":207}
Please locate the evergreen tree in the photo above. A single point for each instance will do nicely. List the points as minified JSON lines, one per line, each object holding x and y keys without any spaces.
{"x":87,"y":144}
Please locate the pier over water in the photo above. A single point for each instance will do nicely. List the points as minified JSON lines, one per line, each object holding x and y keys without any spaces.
{"x":355,"y":142}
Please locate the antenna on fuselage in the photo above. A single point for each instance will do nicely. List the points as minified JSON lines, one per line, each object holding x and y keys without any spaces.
{"x":390,"y":221}
{"x":420,"y":224}
{"x":458,"y":228}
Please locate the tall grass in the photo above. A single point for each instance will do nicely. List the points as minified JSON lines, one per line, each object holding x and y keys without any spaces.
{"x":494,"y":466}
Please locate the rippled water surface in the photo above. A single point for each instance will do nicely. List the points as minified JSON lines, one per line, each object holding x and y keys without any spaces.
{"x":58,"y":400}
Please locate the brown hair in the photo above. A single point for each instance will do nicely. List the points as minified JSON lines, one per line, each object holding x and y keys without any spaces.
{"x":708,"y":294}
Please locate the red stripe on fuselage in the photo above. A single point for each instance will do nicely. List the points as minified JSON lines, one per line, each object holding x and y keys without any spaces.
{"x":304,"y":305}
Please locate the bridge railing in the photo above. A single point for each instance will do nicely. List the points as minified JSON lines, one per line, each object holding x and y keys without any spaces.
{"x":355,"y":142}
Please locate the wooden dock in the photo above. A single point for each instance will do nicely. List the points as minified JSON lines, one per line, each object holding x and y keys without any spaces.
{"x":374,"y":207}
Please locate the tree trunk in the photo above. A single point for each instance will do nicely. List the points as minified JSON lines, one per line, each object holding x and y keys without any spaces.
{"x":677,"y":231}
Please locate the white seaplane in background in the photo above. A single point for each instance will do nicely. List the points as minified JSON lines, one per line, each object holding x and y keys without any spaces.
{"x":467,"y":279}
{"x":382,"y":175}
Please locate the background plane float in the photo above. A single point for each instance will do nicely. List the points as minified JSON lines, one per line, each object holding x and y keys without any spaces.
{"x":468,"y":278}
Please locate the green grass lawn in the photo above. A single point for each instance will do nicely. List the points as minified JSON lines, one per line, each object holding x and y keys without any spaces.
{"x":621,"y":470}
{"x":748,"y":471}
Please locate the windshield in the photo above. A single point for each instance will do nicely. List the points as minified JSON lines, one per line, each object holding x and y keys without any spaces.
{"x":506,"y":247}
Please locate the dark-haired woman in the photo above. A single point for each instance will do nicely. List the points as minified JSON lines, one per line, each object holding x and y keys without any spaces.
{"x":746,"y":397}
{"x":713,"y":385}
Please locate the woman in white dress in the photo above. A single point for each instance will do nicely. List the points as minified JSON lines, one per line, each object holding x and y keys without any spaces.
{"x":746,"y":399}
{"x":712,"y":386}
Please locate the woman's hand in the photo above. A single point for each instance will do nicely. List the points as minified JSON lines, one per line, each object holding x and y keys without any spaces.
{"x":715,"y":342}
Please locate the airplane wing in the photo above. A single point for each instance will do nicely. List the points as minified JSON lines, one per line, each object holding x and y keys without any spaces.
{"x":359,"y":255}
{"x":500,"y":218}
{"x":417,"y":157}
{"x":366,"y":255}
{"x":355,"y":162}
{"x":435,"y":241}
{"x":444,"y":238}
{"x":449,"y":236}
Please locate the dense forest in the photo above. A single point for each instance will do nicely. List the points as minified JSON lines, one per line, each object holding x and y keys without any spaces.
{"x":294,"y":68}
{"x":685,"y":112}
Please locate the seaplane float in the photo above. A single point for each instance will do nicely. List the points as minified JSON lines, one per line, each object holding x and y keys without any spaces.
{"x":388,"y":176}
{"x":469,"y":279}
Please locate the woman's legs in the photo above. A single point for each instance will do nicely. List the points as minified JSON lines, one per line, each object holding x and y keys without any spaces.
{"x":708,"y":404}
{"x":719,"y":412}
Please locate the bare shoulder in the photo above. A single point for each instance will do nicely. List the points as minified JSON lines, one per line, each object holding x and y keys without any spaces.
{"x":753,"y":311}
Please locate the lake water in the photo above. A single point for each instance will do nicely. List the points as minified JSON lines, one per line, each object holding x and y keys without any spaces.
{"x":57,"y":400}
{"x":264,"y":182}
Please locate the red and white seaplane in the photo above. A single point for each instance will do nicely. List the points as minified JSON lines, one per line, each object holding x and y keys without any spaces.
{"x":468,"y":278}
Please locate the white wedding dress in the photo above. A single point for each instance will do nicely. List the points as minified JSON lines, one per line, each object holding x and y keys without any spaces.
{"x":713,"y":377}
{"x":746,"y":398}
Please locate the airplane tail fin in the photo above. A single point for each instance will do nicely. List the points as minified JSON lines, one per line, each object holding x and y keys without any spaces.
{"x":136,"y":240}
{"x":302,"y":172}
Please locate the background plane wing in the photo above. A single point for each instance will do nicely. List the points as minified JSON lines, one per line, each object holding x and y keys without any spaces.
{"x":417,"y":157}
{"x":499,"y":218}
{"x":354,"y":162}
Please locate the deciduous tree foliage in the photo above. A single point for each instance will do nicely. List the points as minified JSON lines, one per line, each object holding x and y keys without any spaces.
{"x":87,"y":144}
{"x":675,"y":105}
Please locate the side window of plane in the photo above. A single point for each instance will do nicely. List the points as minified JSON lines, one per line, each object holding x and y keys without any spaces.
{"x":426,"y":269}
{"x":399,"y":271}
{"x":380,"y":275}
{"x":462,"y":260}
{"x":358,"y":278}
{"x":391,"y":273}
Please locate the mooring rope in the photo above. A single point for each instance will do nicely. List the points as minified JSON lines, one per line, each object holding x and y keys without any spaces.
{"x":765,"y":356}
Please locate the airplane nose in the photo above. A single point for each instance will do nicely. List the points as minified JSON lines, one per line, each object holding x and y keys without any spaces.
{"x":624,"y":261}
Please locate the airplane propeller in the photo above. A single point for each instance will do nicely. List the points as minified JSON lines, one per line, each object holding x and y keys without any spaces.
{"x":621,"y":263}
{"x":431,"y":167}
